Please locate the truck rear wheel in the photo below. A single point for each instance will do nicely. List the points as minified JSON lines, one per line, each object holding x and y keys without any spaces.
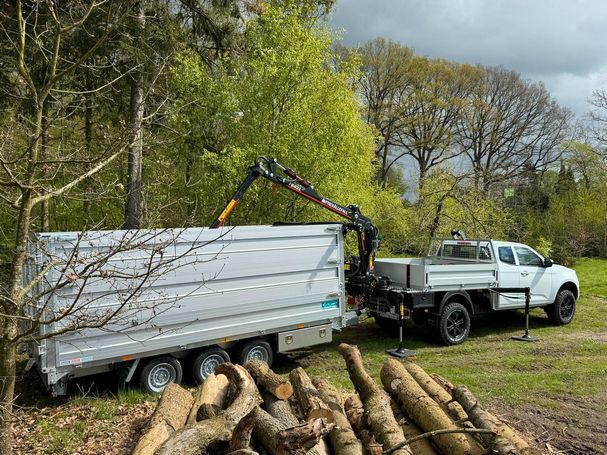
{"x":453,"y":324}
{"x":561,"y":312}
{"x":160,"y":372}
{"x":256,"y":350}
{"x":206,"y":361}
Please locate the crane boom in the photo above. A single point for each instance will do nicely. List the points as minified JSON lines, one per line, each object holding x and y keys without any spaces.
{"x":360,"y":277}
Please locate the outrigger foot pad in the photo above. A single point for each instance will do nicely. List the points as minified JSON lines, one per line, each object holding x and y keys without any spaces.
{"x":401,"y":352}
{"x":525,"y":337}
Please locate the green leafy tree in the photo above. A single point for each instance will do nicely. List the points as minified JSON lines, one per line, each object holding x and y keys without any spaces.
{"x":287,"y":96}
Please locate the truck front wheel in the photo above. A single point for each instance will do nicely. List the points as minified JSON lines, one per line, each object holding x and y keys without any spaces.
{"x":561,"y":312}
{"x":453,"y":324}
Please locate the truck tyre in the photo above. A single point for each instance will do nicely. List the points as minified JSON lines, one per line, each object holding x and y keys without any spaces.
{"x":206,"y":361}
{"x":453,"y":324}
{"x":561,"y":312}
{"x":255,"y":350}
{"x":159,"y":372}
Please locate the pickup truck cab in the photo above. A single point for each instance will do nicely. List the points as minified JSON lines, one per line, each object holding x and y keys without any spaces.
{"x":461,"y":278}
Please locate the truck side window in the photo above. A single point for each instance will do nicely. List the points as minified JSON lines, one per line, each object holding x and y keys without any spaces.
{"x":527,"y":257}
{"x":506,"y":255}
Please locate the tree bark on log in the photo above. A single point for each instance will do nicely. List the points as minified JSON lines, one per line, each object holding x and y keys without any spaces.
{"x":241,"y":436}
{"x":270,"y":381}
{"x":436,"y":392}
{"x":197,"y":438}
{"x":279,"y":409}
{"x":343,"y":438}
{"x":419,"y":447}
{"x":376,"y":402}
{"x":169,"y":416}
{"x":355,"y":414}
{"x":307,"y":396}
{"x":508,"y":441}
{"x":280,"y":440}
{"x":211,"y":393}
{"x":426,"y":413}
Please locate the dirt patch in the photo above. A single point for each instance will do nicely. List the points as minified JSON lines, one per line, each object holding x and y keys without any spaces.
{"x":577,"y":426}
{"x":592,"y":336}
{"x":116,"y":436}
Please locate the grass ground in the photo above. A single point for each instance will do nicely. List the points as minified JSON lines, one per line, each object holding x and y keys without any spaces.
{"x":562,"y":372}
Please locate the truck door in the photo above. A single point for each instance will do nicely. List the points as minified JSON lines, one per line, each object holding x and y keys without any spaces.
{"x":509,"y":277}
{"x":534,"y":275}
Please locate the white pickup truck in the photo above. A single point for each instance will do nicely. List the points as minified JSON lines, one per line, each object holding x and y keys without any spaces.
{"x":460,"y":278}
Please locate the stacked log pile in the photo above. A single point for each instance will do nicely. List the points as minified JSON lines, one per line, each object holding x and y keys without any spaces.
{"x":252,"y":410}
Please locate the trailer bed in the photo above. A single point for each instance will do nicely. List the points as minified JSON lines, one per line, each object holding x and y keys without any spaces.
{"x":216,"y":285}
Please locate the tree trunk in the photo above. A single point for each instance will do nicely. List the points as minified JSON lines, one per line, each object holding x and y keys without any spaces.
{"x":436,"y":392}
{"x":278,"y":440}
{"x":279,"y":409}
{"x":44,"y":211}
{"x":419,"y":447}
{"x":88,"y":145}
{"x":211,"y":392}
{"x":270,"y":381}
{"x":7,"y":390}
{"x":169,"y":416}
{"x":355,"y":414}
{"x":508,"y":441}
{"x":307,"y":397}
{"x":426,"y":413}
{"x":200,"y":437}
{"x":376,"y":402}
{"x":343,"y":439}
{"x":132,"y":209}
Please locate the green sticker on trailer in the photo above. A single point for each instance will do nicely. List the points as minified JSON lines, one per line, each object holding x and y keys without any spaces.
{"x":329,"y":304}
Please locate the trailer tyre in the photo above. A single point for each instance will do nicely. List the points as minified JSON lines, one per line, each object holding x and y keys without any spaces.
{"x":206,"y":361}
{"x":256,"y":350}
{"x":454,"y":324}
{"x":561,"y":312}
{"x":160,"y":372}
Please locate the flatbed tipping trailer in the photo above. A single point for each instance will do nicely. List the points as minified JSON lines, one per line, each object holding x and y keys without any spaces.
{"x":235,"y":292}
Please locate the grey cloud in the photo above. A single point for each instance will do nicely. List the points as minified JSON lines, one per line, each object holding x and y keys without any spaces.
{"x":562,"y":42}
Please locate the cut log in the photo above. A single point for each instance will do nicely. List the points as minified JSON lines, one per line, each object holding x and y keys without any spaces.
{"x":426,"y":413}
{"x":211,"y":393}
{"x":241,"y":436}
{"x":375,"y":401}
{"x":279,"y":409}
{"x":508,"y":440}
{"x":243,"y":452}
{"x":300,"y":439}
{"x":270,"y":381}
{"x":169,"y":416}
{"x":420,"y":446}
{"x":311,"y":404}
{"x":436,"y":392}
{"x":355,"y":414}
{"x":343,"y":438}
{"x":199,"y":438}
{"x":277,"y":440}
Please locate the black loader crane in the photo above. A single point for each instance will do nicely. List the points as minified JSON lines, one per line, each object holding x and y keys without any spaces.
{"x":360,"y":279}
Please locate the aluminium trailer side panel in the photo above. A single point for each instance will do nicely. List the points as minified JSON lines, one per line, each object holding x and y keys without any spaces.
{"x":206,"y":285}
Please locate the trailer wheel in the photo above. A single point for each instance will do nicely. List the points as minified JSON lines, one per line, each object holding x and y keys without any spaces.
{"x":206,"y":361}
{"x":256,"y":350}
{"x":561,"y":312}
{"x":454,"y":324}
{"x":160,"y":372}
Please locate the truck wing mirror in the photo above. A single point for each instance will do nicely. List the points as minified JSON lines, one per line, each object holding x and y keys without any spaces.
{"x":548,"y":262}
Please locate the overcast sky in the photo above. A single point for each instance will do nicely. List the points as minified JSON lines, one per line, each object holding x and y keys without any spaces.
{"x":560,"y":42}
